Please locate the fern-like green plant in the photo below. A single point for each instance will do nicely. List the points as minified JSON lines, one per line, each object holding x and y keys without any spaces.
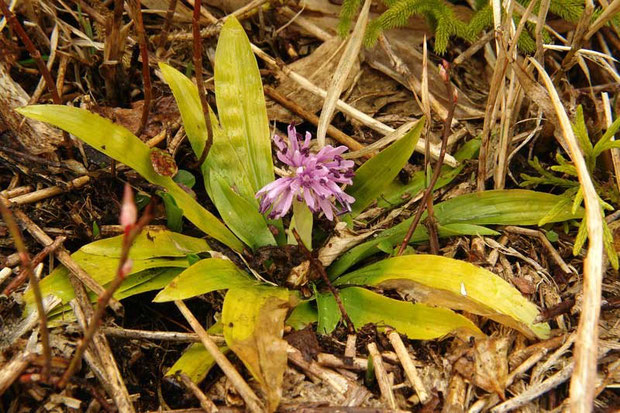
{"x":443,"y":21}
{"x":572,"y":192}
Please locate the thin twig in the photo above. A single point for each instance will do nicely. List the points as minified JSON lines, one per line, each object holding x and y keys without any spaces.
{"x":27,"y":267}
{"x":321,"y":270}
{"x":437,"y":170}
{"x":161,"y":42}
{"x":252,"y":402}
{"x":197,"y":42}
{"x":122,"y":271}
{"x":23,"y":275}
{"x":146,"y":72}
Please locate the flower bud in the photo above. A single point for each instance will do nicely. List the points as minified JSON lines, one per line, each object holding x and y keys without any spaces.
{"x":129,"y":211}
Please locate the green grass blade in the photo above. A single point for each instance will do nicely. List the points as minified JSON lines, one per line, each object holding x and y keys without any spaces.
{"x":123,"y":146}
{"x":453,"y":284}
{"x":416,"y":321}
{"x":372,"y":178}
{"x":207,"y":275}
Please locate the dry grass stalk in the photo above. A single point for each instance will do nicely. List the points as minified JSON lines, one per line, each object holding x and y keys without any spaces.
{"x":146,"y":72}
{"x":339,"y":78}
{"x":345,"y":108}
{"x":299,"y":110}
{"x":206,"y":404}
{"x":12,"y":370}
{"x":252,"y":402}
{"x":27,"y":267}
{"x":408,"y":366}
{"x":381,"y":375}
{"x":581,"y":390}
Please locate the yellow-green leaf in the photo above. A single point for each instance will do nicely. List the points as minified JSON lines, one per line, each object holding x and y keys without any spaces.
{"x":122,"y":145}
{"x":454,"y":284}
{"x":207,"y":275}
{"x":372,"y":178}
{"x":149,"y":244}
{"x":416,"y":321}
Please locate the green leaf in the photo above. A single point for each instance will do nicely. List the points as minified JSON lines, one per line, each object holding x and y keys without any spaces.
{"x":499,"y":207}
{"x":240,"y":215}
{"x":581,"y":132}
{"x":416,"y":321}
{"x":372,"y":178}
{"x":396,"y":193}
{"x":328,"y":313}
{"x":208,"y":275}
{"x":185,"y":177}
{"x":224,"y":156}
{"x":453,"y":284}
{"x":605,"y":142}
{"x":174,"y":214}
{"x":253,"y":320}
{"x":122,"y":145}
{"x":241,"y":102}
{"x":302,"y":315}
{"x":302,"y":222}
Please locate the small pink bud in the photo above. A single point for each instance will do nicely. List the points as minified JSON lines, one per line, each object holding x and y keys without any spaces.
{"x":129,"y":211}
{"x":126,"y":268}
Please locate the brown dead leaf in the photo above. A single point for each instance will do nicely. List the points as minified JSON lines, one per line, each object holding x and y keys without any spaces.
{"x":486,"y":365}
{"x":37,"y":137}
{"x":265,"y":350}
{"x":318,"y":67}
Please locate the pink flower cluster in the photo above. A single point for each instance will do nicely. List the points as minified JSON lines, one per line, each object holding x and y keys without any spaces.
{"x":315,"y":178}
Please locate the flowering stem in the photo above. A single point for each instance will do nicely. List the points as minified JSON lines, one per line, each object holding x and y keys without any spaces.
{"x":199,"y":81}
{"x":124,"y":266}
{"x":437,"y":171}
{"x":319,"y":268}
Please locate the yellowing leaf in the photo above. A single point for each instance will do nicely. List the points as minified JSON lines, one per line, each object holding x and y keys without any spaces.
{"x":454,"y":284}
{"x":206,"y":275}
{"x":253,"y":320}
{"x":149,"y":244}
{"x":416,"y":321}
{"x":122,"y":145}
